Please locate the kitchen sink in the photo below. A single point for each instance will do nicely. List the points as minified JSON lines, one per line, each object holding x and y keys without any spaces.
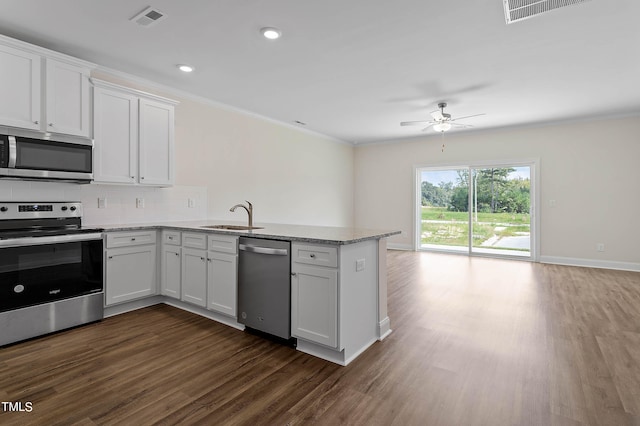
{"x":233,"y":227}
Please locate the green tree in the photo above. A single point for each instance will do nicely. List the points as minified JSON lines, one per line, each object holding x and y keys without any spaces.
{"x":459,"y":201}
{"x":491,"y":184}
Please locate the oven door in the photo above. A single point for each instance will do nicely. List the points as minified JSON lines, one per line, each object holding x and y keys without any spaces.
{"x":44,"y":269}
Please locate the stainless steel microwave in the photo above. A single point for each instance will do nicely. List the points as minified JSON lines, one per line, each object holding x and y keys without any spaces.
{"x":59,"y":159}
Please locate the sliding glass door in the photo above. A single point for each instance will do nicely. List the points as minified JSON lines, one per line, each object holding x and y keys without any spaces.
{"x":476,"y":210}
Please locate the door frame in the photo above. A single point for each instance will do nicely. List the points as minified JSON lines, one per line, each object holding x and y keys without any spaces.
{"x":532,"y":163}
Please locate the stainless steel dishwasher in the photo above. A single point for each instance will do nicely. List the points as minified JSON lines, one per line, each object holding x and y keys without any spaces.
{"x":264,"y":286}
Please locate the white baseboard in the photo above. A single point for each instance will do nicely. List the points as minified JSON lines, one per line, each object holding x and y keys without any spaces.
{"x":384,"y":328}
{"x":224,"y":319}
{"x":122,"y":308}
{"x":591,"y":263}
{"x":397,"y":246}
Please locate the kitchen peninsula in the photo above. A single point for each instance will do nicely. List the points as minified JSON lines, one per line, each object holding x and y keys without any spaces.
{"x":338,"y":278}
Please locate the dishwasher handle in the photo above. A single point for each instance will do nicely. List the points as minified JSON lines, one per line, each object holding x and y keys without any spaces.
{"x":262,"y":250}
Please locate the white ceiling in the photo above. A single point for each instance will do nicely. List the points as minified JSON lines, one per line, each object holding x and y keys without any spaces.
{"x":353,"y":69}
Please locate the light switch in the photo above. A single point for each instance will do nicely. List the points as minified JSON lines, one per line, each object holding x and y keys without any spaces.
{"x":359,"y":265}
{"x":140,"y":203}
{"x":102,"y":203}
{"x":191,"y":203}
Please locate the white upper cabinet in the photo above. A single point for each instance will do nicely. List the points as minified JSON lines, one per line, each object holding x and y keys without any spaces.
{"x":67,"y":99}
{"x":156,"y":142}
{"x":19,"y":88}
{"x":133,"y":136}
{"x":43,"y":90}
{"x":115,"y":130}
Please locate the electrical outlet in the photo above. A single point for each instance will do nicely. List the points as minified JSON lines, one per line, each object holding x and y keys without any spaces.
{"x":140,"y":203}
{"x":600,"y":246}
{"x":102,"y":203}
{"x":191,"y":203}
{"x":359,"y":265}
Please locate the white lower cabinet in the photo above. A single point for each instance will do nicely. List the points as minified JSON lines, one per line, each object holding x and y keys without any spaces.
{"x":210,"y":277}
{"x":170,"y":277}
{"x":194,"y":276}
{"x":314,"y":295}
{"x":222,"y":277}
{"x":130,"y":266}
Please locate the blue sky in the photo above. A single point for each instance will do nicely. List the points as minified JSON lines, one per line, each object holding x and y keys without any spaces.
{"x":437,"y":176}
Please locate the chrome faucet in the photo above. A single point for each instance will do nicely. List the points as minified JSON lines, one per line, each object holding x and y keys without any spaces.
{"x":248,"y":209}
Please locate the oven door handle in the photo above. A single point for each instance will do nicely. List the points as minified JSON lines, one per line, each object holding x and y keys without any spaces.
{"x":56,"y":239}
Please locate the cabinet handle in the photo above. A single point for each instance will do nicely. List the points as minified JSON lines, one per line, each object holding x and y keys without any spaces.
{"x":110,"y":257}
{"x":209,"y":260}
{"x":293,"y":274}
{"x":202,"y":258}
{"x":133,"y":239}
{"x":312,"y":255}
{"x":141,"y":177}
{"x":50,"y":124}
{"x":36,"y":122}
{"x":177,"y":254}
{"x":133,"y":177}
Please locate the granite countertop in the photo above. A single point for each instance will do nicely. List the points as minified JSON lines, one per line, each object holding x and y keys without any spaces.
{"x":312,"y":234}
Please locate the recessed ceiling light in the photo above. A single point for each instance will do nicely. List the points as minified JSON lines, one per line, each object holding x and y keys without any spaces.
{"x":185,"y":68}
{"x":271,"y":33}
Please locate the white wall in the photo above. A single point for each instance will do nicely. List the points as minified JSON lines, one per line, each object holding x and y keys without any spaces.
{"x":590,"y":168}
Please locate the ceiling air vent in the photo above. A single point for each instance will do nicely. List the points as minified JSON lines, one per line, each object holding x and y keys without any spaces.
{"x":148,"y":17}
{"x":517,"y":10}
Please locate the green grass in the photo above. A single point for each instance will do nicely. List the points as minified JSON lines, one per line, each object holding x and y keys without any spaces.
{"x":452,"y":228}
{"x":441,"y":213}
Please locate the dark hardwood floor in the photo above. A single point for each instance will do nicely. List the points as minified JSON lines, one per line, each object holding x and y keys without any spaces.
{"x":475,"y":342}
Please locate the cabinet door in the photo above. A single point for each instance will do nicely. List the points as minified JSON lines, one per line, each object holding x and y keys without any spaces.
{"x":115,"y":127}
{"x":314,"y":304}
{"x":130,"y":273}
{"x":19,"y":88}
{"x":67,"y":99}
{"x":222,"y":279}
{"x":194,"y":276}
{"x":156,"y":143}
{"x":171,"y":271}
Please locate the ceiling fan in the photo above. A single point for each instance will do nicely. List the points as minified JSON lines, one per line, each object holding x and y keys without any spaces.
{"x":441,"y":121}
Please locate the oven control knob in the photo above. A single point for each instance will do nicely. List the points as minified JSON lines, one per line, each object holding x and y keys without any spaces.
{"x":3,"y":209}
{"x":64,"y":208}
{"x":19,"y":288}
{"x":72,"y":208}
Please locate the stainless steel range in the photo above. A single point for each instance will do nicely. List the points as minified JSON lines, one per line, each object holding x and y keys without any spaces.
{"x":51,"y":269}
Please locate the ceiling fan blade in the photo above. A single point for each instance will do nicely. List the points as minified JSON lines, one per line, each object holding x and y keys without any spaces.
{"x":460,"y":124}
{"x":413,"y":123}
{"x":430,"y":124}
{"x":468,"y":116}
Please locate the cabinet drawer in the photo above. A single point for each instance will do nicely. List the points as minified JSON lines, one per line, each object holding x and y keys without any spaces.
{"x":127,"y":239}
{"x":194,"y":240}
{"x":315,"y":255}
{"x":223,"y":243}
{"x":171,"y":237}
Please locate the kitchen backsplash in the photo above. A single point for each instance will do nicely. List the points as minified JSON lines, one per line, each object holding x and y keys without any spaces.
{"x":122,"y":203}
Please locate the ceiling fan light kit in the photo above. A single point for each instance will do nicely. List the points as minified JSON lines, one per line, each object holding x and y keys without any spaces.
{"x":441,"y":127}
